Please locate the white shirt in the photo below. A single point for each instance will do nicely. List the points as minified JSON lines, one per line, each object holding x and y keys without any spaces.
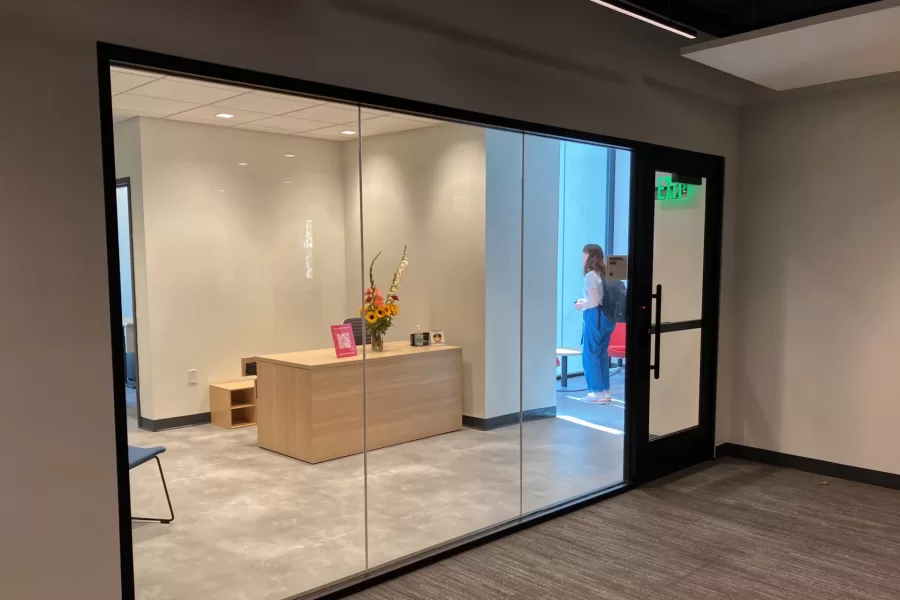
{"x":592,"y":281}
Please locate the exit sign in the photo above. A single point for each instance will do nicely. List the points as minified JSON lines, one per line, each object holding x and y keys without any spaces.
{"x":673,"y":192}
{"x":667,"y":190}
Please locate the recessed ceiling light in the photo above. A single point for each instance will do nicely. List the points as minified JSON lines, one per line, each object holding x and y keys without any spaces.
{"x":348,"y":132}
{"x":289,"y":155}
{"x":243,"y":164}
{"x":287,"y":181}
{"x":224,"y":116}
{"x":221,"y":190}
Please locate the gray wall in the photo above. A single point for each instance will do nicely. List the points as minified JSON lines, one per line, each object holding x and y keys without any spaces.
{"x":567,"y":63}
{"x":816,"y":370}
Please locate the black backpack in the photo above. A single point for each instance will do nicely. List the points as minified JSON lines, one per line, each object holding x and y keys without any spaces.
{"x":615,"y":300}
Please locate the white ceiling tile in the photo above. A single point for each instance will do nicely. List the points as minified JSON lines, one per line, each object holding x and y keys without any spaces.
{"x":150,"y":107}
{"x":331,"y":133}
{"x":291,"y":124}
{"x":418,"y":118}
{"x":328,"y":113}
{"x":185,"y":90}
{"x":207,"y":114}
{"x":268,"y":103}
{"x":214,"y":84}
{"x":122,"y":81}
{"x":321,"y":136}
{"x":136,"y":72}
{"x":254,"y":127}
{"x":373,"y":112}
{"x":389,"y":125}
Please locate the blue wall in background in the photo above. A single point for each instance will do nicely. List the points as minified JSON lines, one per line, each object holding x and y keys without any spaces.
{"x":124,"y":251}
{"x":584,"y":196}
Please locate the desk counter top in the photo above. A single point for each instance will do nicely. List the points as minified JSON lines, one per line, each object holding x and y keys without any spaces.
{"x":324,"y":358}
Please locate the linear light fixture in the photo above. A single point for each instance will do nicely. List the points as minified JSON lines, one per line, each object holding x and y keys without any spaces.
{"x":224,"y":116}
{"x":647,"y":17}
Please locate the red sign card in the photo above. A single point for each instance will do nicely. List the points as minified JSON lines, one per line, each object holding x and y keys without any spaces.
{"x":344,"y":343}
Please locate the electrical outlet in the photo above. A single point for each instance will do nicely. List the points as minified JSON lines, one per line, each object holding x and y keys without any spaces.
{"x":192,"y":376}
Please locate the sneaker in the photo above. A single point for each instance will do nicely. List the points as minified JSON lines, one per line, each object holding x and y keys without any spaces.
{"x":592,"y":398}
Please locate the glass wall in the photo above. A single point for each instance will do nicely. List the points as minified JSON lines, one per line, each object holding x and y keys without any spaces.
{"x":573,"y":437}
{"x":368,"y":306}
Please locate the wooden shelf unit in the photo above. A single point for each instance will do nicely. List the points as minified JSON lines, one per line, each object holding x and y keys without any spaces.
{"x":232,"y":404}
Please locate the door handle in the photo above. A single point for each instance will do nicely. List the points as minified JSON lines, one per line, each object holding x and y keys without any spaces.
{"x":655,"y":328}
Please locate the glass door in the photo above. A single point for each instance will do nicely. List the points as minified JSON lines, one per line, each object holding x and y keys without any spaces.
{"x":675,"y":307}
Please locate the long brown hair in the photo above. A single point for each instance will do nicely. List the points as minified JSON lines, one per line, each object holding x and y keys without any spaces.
{"x":595,"y":260}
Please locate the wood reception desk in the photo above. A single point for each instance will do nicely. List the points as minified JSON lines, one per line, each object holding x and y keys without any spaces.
{"x":310,"y":404}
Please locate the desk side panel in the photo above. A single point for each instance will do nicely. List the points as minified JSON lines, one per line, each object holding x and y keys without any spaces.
{"x":283,"y":410}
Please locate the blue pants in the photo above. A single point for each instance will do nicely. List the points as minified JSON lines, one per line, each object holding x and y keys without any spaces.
{"x":595,"y":349}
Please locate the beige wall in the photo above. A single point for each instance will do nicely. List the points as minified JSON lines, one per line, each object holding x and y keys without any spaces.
{"x":575,"y":66}
{"x":425,"y":188}
{"x":223,"y":254}
{"x":815,"y":374}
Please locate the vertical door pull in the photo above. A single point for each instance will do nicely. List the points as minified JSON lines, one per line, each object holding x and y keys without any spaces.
{"x":655,"y":328}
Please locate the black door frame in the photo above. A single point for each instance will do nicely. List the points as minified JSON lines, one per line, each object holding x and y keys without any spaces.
{"x":679,"y":450}
{"x":115,"y":55}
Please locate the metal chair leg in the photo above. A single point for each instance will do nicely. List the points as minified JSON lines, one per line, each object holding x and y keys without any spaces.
{"x":168,"y":499}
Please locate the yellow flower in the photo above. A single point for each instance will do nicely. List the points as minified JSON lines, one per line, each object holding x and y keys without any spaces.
{"x":381,"y":312}
{"x":370,"y":317}
{"x":395,"y":309}
{"x":360,"y":310}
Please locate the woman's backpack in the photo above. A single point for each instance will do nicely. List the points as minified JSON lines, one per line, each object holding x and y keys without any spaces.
{"x":615,"y":300}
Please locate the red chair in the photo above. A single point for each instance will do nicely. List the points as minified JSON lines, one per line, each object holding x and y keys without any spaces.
{"x":617,"y":345}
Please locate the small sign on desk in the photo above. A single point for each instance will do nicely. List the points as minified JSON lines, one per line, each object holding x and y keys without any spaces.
{"x":344,"y":342}
{"x":617,"y":267}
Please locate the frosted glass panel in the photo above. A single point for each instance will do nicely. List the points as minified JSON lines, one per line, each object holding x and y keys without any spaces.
{"x":675,"y":396}
{"x":679,"y":222}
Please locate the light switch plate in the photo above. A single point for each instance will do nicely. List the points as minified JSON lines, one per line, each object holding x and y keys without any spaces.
{"x":192,"y":376}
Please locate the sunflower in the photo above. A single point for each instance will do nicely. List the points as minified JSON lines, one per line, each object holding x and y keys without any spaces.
{"x":370,"y":317}
{"x":381,"y":312}
{"x":395,"y":308}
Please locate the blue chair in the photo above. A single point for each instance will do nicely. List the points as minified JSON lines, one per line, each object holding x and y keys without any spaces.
{"x":137,"y":457}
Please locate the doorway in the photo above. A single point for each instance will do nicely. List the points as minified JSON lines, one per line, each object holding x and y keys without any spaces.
{"x":126,"y":289}
{"x":675,"y":309}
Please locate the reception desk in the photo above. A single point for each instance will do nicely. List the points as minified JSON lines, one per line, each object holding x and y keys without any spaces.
{"x":310,"y":404}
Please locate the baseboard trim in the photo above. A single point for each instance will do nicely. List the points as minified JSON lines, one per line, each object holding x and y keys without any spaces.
{"x":175,"y":422}
{"x":810,"y":465}
{"x":508,"y":419}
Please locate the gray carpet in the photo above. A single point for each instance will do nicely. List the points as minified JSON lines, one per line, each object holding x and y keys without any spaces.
{"x":732,"y":530}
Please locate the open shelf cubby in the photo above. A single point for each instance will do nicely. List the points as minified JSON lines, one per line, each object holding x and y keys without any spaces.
{"x":232,"y":404}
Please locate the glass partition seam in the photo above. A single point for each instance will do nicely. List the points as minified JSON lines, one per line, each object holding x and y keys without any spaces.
{"x":610,"y":200}
{"x":362,"y":287}
{"x":521,"y":332}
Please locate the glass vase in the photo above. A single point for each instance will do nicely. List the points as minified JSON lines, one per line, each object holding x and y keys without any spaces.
{"x":377,"y":342}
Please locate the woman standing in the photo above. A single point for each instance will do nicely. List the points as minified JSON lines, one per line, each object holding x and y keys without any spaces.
{"x":597,"y":328}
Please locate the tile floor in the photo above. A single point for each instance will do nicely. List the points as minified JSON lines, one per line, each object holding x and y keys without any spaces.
{"x":254,"y":524}
{"x":610,"y":415}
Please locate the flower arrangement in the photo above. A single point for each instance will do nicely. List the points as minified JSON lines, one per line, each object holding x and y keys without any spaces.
{"x":379,"y":310}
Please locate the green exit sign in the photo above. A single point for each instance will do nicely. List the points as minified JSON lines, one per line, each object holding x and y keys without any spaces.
{"x":673,"y":192}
